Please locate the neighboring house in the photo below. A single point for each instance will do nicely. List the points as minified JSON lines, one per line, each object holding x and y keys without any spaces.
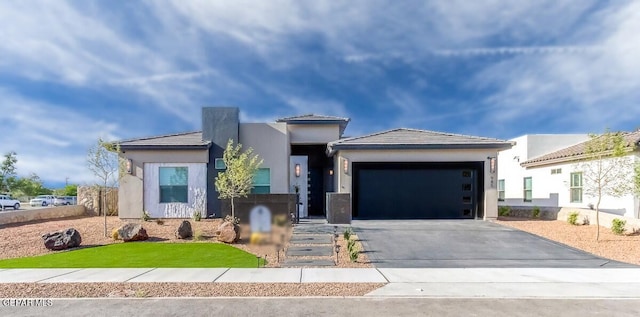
{"x":395,"y":174}
{"x":543,"y":171}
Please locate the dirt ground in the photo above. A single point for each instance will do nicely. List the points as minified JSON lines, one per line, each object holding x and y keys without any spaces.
{"x":623,"y":248}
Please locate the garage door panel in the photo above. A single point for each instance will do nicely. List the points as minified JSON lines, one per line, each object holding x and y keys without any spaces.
{"x":399,"y":192}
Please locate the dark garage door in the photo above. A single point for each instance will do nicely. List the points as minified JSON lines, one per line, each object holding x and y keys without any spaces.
{"x":417,"y":190}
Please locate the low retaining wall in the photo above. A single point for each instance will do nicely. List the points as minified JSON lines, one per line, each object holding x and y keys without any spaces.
{"x":18,"y":216}
{"x":279,"y":204}
{"x":605,"y":218}
{"x":549,"y":213}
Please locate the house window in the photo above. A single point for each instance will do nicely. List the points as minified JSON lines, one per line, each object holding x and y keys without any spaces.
{"x":501,"y":189}
{"x":261,"y":181}
{"x":556,"y":171}
{"x":174,"y":184}
{"x":219,"y":164}
{"x":576,"y":187}
{"x":528,"y":189}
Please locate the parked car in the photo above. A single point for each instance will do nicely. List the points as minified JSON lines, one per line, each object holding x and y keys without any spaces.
{"x":7,"y":201}
{"x":64,"y":200}
{"x":42,"y":200}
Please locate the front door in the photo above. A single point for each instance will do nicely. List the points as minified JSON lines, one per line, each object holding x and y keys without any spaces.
{"x":299,"y":181}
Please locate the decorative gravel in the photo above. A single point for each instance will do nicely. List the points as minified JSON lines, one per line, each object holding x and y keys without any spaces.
{"x":623,"y":248}
{"x":25,"y":240}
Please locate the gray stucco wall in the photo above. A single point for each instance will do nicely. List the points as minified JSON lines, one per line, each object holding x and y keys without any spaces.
{"x":271,"y":142}
{"x":131,"y":191}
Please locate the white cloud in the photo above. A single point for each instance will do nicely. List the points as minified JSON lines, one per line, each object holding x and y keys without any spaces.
{"x":50,"y":140}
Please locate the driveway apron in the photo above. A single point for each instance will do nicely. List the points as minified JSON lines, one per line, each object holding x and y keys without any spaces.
{"x":465,"y":243}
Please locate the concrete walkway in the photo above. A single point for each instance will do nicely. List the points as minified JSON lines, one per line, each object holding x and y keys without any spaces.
{"x":399,"y":282}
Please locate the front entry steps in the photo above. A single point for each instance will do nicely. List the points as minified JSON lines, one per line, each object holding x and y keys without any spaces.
{"x":311,"y":245}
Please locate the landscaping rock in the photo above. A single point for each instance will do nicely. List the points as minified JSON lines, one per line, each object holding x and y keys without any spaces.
{"x":61,"y":240}
{"x":132,"y":232}
{"x":228,"y":232}
{"x":184,"y":230}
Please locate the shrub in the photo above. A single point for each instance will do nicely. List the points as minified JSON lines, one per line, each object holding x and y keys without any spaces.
{"x":504,"y":211}
{"x":234,"y":220}
{"x":350,"y":245}
{"x":353,"y":254}
{"x":197,"y":235}
{"x":160,"y":222}
{"x":617,"y":226}
{"x":115,"y":235}
{"x":197,"y":215}
{"x":145,"y":216}
{"x":536,"y":212}
{"x":573,"y":218}
{"x":280,"y":220}
{"x":347,"y":233}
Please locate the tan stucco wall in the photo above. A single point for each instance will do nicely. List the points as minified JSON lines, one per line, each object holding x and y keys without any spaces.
{"x":271,"y":142}
{"x":131,"y":192}
{"x":343,"y":180}
{"x":313,"y":133}
{"x":19,"y":216}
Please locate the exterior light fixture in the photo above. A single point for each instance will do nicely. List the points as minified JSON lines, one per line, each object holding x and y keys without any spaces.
{"x":297,"y":170}
{"x":330,"y":172}
{"x":345,"y":166}
{"x":492,"y":163}
{"x":129,"y":166}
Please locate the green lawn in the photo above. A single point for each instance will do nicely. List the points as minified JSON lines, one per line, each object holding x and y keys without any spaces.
{"x":140,"y":254}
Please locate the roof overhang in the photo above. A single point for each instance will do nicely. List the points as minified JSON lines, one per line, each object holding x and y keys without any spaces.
{"x":124,"y":147}
{"x":333,"y":148}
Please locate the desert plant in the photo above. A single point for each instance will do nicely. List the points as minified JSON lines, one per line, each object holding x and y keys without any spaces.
{"x":347,"y":233}
{"x":573,"y":218}
{"x":160,"y":222}
{"x":280,"y":220}
{"x":234,"y":220}
{"x":353,"y":253}
{"x":504,"y":211}
{"x":617,"y":226}
{"x":114,"y":234}
{"x":536,"y":212}
{"x":585,"y":220}
{"x":145,"y":216}
{"x":197,"y":235}
{"x":197,"y":216}
{"x":350,"y":244}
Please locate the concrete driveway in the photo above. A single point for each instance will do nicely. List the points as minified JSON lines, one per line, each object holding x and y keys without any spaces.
{"x":465,"y":243}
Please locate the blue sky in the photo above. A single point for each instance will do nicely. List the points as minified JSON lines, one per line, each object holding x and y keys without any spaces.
{"x":73,"y":71}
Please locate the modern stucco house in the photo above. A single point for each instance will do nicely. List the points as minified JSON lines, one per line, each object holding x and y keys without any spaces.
{"x":542,"y":170}
{"x":394,"y":174}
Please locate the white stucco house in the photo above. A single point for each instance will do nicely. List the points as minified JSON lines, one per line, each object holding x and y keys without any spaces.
{"x":394,"y":174}
{"x":542,"y":170}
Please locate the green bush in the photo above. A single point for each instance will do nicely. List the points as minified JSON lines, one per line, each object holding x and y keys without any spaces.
{"x":353,"y":254}
{"x":536,"y":212}
{"x":115,"y":235}
{"x":350,"y":244}
{"x":573,"y":218}
{"x":617,"y":226}
{"x":197,"y":215}
{"x":504,"y":211}
{"x":145,"y":216}
{"x":347,"y":233}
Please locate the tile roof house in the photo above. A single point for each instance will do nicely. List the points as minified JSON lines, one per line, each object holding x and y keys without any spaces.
{"x":395,"y":174}
{"x":543,"y":171}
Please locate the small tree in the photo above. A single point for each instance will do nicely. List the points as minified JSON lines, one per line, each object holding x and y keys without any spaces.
{"x":8,"y":171}
{"x":608,"y":169}
{"x":237,"y":180}
{"x":103,"y":161}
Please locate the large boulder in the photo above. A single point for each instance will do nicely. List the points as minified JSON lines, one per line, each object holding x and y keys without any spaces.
{"x":228,"y":232}
{"x":132,"y":232}
{"x":184,"y":230}
{"x":61,"y":240}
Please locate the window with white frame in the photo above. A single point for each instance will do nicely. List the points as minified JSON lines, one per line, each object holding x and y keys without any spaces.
{"x":556,"y":171}
{"x":501,"y":189}
{"x":528,"y":189}
{"x":262,"y":181}
{"x":174,"y":184}
{"x":576,"y":187}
